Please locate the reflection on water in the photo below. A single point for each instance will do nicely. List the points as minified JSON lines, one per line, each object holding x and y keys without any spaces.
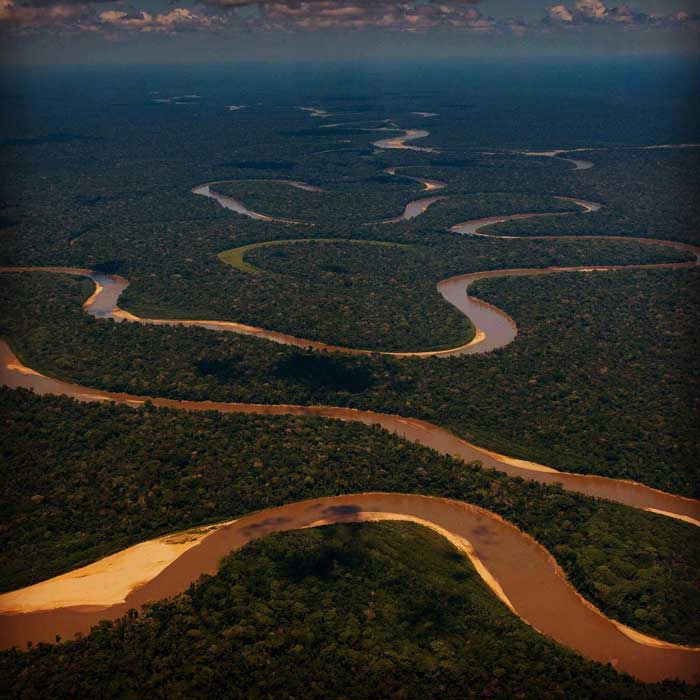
{"x":235,"y":205}
{"x":399,"y":142}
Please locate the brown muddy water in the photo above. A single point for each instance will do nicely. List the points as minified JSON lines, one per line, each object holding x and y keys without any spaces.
{"x":14,"y":373}
{"x":233,"y":204}
{"x":519,"y":570}
{"x":576,"y":162}
{"x":400,"y":142}
{"x":429,"y":185}
{"x":473,"y":226}
{"x":413,"y":209}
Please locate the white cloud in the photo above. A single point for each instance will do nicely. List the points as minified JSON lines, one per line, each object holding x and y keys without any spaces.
{"x":177,"y":19}
{"x":406,"y":15}
{"x":591,"y":8}
{"x":560,"y":13}
{"x":22,"y":17}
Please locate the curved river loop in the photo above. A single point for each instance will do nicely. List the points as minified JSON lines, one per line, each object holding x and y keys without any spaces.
{"x":521,"y":572}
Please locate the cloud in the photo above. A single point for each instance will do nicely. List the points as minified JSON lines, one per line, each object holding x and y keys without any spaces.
{"x":425,"y":15}
{"x":594,"y":9}
{"x":295,"y":16}
{"x":19,"y":17}
{"x":78,"y":17}
{"x":560,"y":13}
{"x":595,"y":12}
{"x":292,"y":3}
{"x":177,"y":19}
{"x":406,"y":15}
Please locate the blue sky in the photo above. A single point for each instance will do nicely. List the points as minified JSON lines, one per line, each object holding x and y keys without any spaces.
{"x":192,"y":31}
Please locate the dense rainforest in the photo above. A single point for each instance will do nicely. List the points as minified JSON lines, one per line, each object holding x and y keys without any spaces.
{"x":601,"y":378}
{"x":623,"y":403}
{"x":382,"y":197}
{"x":83,"y":481}
{"x":376,"y":299}
{"x":192,"y":281}
{"x":380,"y":610}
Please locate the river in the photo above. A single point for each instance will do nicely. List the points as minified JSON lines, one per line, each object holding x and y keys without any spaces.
{"x":518,"y":570}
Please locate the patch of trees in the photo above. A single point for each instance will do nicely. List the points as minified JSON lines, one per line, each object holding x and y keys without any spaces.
{"x":648,"y":193}
{"x":377,"y":298}
{"x":323,"y":370}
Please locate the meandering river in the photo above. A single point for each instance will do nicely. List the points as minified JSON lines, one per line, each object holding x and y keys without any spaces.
{"x":493,"y":327}
{"x":401,"y":142}
{"x":14,"y":373}
{"x":233,"y":204}
{"x":576,"y":162}
{"x":413,"y":209}
{"x":518,"y":569}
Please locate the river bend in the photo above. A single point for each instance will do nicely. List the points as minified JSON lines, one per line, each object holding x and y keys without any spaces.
{"x":520,"y":571}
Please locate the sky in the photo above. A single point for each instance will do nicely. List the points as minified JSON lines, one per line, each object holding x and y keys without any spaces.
{"x":93,"y":32}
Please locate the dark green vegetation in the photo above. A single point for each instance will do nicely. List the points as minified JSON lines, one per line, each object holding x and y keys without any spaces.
{"x":375,"y":197}
{"x":236,"y":257}
{"x":650,"y":193}
{"x":375,"y":295}
{"x":144,"y":222}
{"x":389,"y":302}
{"x":457,"y":208}
{"x":381,"y":197}
{"x":604,"y":381}
{"x":385,"y":610}
{"x":618,"y":361}
{"x":83,"y":481}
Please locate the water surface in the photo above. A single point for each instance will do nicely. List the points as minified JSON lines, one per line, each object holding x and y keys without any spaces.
{"x":517,"y":568}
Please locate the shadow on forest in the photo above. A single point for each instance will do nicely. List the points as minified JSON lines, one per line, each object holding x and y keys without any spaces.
{"x":316,"y":371}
